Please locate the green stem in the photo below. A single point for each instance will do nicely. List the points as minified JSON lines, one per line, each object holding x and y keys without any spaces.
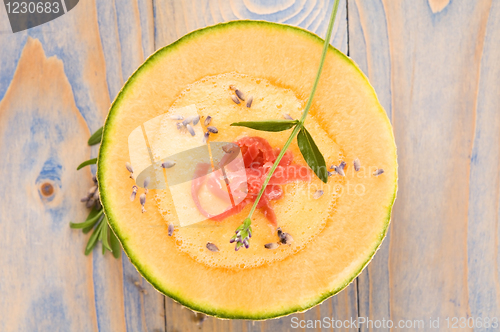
{"x":322,"y":61}
{"x":297,"y":128}
{"x":275,"y":165}
{"x":87,"y":162}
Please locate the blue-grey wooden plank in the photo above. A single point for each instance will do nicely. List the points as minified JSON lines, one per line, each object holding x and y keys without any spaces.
{"x":369,"y":48}
{"x":432,"y":65}
{"x":97,"y":46}
{"x":484,"y":194}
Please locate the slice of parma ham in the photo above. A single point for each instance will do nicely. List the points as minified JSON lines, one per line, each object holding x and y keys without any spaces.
{"x":258,"y":157}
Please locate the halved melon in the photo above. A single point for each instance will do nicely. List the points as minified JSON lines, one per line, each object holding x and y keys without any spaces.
{"x":335,"y":235}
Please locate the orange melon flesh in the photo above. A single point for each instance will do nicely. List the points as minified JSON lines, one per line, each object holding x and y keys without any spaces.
{"x":345,"y":110}
{"x":211,"y":96}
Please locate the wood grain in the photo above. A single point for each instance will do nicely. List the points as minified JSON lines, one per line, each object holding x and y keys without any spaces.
{"x":173,"y":19}
{"x":126,"y":32}
{"x":88,"y":42}
{"x":369,"y":47}
{"x":431,"y":64}
{"x":484,"y":189}
{"x":40,"y":102}
{"x":433,"y":232}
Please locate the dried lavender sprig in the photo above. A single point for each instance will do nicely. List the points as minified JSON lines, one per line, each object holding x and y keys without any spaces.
{"x":146,"y":184}
{"x":196,"y":119}
{"x":249,"y":101}
{"x":242,"y":235}
{"x":286,"y":238}
{"x":142,"y":199}
{"x":272,"y":245}
{"x":318,"y":194}
{"x":206,"y":136}
{"x":357,"y":164}
{"x":212,"y":247}
{"x":168,"y":164}
{"x":190,"y":129}
{"x":235,"y":99}
{"x":207,"y":121}
{"x":129,"y":168}
{"x":212,"y":129}
{"x":134,"y":193}
{"x":339,"y":169}
{"x":90,"y":203}
{"x":92,"y":199}
{"x":240,"y":94}
{"x":180,"y":127}
{"x":92,"y":191}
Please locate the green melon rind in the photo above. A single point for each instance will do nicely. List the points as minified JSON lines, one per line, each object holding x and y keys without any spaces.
{"x":101,"y":171}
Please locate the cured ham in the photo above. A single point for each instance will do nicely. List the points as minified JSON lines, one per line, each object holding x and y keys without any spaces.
{"x":258,"y":157}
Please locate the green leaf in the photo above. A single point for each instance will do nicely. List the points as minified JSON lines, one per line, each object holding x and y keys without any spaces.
{"x":115,"y":245}
{"x":104,"y":235}
{"x":268,"y":125}
{"x":311,"y":154}
{"x":85,"y":163}
{"x":93,"y":239}
{"x":91,"y":221}
{"x":88,"y":229}
{"x":92,"y":214}
{"x":96,"y":137}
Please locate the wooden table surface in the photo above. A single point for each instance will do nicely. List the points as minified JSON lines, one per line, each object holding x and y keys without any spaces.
{"x":435,"y":65}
